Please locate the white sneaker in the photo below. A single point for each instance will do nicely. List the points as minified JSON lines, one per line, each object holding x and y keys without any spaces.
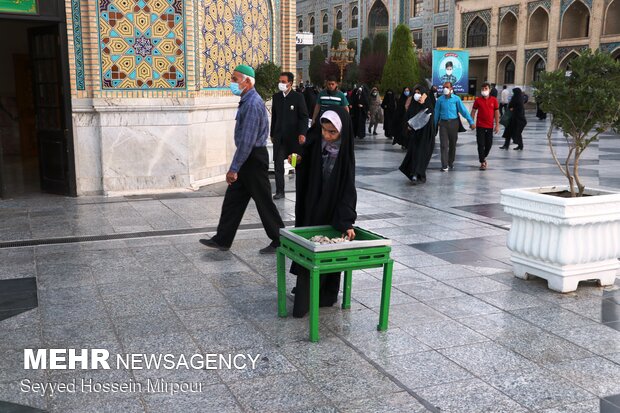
{"x":444,"y":169}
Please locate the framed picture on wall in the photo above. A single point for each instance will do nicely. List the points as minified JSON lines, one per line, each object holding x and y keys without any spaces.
{"x":19,"y":6}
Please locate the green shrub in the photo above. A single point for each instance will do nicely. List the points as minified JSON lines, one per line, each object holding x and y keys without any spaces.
{"x":267,"y":75}
{"x":401,"y":68}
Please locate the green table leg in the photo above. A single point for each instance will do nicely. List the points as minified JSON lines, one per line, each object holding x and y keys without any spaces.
{"x":315,"y":278}
{"x":385,"y":295}
{"x":346,"y":294}
{"x":281,"y":285}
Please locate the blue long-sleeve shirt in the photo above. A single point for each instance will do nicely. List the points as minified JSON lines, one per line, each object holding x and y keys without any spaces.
{"x":449,"y":108}
{"x":251,"y":129}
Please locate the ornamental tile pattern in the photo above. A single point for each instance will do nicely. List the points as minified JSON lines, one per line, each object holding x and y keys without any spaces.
{"x":467,"y":18}
{"x":546,"y":4}
{"x":531,"y":52}
{"x":233,"y":32}
{"x":142,"y":44}
{"x":564,"y":51}
{"x":566,"y":4}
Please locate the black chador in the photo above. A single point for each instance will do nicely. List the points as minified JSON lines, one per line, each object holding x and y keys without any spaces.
{"x":389,"y":110}
{"x":359,"y":112}
{"x":326,"y":195}
{"x":421,"y":141}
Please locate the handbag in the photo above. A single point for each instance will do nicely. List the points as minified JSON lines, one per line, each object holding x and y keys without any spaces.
{"x":505,"y":119}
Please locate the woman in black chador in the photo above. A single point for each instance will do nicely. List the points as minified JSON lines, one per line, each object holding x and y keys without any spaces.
{"x":326,"y":195}
{"x":389,"y":108}
{"x":421,"y":141}
{"x":360,"y":105}
{"x":400,"y":121}
{"x":517,"y":122}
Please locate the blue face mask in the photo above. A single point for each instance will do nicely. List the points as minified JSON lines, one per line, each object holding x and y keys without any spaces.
{"x":234,"y":88}
{"x":407,"y":93}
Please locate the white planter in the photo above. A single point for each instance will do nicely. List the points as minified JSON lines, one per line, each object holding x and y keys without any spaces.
{"x":564,"y":240}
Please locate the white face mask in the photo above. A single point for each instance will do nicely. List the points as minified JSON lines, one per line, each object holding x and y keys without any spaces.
{"x":416,"y":96}
{"x":283,"y":87}
{"x":485,"y":93}
{"x":449,"y":72}
{"x":446,"y":91}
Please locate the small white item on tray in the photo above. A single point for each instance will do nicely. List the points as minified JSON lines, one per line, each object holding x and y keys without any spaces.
{"x":322,"y":239}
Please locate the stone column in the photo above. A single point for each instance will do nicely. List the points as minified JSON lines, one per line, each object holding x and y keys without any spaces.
{"x":521,"y":38}
{"x":493,"y":41}
{"x":288,"y":21}
{"x":597,"y":20}
{"x":554,"y":35}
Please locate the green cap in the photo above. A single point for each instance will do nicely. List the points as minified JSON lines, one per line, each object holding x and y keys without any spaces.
{"x":246,"y":70}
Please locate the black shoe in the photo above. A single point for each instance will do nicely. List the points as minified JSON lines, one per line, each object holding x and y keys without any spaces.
{"x":504,"y":147}
{"x":269,"y":249}
{"x":375,"y":133}
{"x":518,"y":148}
{"x":212,"y":244}
{"x":414,"y":180}
{"x":451,"y":167}
{"x":278,"y":195}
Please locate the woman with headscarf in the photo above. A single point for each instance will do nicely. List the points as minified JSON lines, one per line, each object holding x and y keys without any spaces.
{"x":359,"y":114}
{"x":400,"y":127}
{"x":421,"y":141}
{"x":326,"y":195}
{"x":376,"y":115}
{"x":517,"y":122}
{"x":389,"y":108}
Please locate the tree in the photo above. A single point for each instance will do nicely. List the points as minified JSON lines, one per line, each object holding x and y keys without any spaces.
{"x":351,"y":76}
{"x":366,"y":48}
{"x":330,"y":69}
{"x":352,"y":45}
{"x":371,"y":69}
{"x":336,"y":38}
{"x":401,"y":68}
{"x":426,"y":65}
{"x":583,"y":105}
{"x":380,"y":44}
{"x":267,"y":75}
{"x":317,"y":59}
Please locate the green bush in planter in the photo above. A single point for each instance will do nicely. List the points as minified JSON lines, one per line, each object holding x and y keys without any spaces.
{"x":583,"y":103}
{"x":267,"y":78}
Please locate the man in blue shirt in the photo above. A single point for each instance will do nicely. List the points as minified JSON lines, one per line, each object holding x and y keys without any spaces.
{"x":447,"y":111}
{"x":248,"y":175}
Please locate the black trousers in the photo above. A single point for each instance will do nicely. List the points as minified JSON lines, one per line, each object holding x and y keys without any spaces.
{"x":252,"y":182}
{"x":328,"y":291}
{"x":502,"y":108}
{"x":280,"y":153}
{"x":484,"y":137}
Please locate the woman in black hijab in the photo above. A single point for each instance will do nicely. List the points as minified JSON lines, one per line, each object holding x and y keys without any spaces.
{"x":389,"y":108}
{"x":400,"y":127}
{"x":326,"y":195}
{"x":359,"y":111}
{"x":517,"y":122}
{"x":421,"y":141}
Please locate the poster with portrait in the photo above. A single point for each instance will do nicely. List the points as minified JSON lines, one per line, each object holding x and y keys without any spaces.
{"x":451,"y":66}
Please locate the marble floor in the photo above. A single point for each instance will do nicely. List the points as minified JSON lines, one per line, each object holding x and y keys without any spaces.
{"x":128,"y":275}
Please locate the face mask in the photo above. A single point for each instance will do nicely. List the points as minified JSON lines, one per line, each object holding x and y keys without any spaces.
{"x":374,"y":93}
{"x":449,"y":72}
{"x":485,"y":93}
{"x":407,"y":93}
{"x":234,"y":88}
{"x":283,"y":87}
{"x":446,"y":91}
{"x":360,"y":89}
{"x":416,"y":96}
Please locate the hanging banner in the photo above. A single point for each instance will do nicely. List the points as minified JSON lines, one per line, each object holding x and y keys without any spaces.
{"x":19,"y":6}
{"x":451,"y":66}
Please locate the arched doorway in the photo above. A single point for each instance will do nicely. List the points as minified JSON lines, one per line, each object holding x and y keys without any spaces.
{"x":508,"y":30}
{"x":506,"y":71}
{"x":576,"y":21}
{"x":616,"y":54}
{"x":565,"y":63}
{"x":535,"y":67}
{"x":538,"y":27}
{"x":477,"y":33}
{"x":612,"y":18}
{"x":378,"y":19}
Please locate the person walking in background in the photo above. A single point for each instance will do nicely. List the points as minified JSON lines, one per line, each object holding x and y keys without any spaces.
{"x":329,"y":97}
{"x":514,"y":130}
{"x":400,"y":121}
{"x":248,"y":175}
{"x":359,"y":112}
{"x":540,"y":114}
{"x":421,"y":141}
{"x":503,"y":100}
{"x":493,"y":90}
{"x":376,"y":115}
{"x":389,"y":111}
{"x":447,"y":119}
{"x":289,"y":122}
{"x":487,"y":109}
{"x":310,"y":97}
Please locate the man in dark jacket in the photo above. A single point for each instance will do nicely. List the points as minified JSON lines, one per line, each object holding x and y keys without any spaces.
{"x":289,"y":122}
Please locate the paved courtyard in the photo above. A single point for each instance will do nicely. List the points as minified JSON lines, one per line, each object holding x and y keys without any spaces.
{"x":128,"y":275}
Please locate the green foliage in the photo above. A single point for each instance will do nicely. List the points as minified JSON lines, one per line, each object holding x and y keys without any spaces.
{"x":425,"y":59}
{"x":366,"y":48}
{"x":583,"y":105}
{"x":267,"y":75}
{"x":336,"y":38}
{"x":317,"y":58}
{"x":401,"y":68}
{"x":352,"y":45}
{"x":380,"y":44}
{"x":351,"y":76}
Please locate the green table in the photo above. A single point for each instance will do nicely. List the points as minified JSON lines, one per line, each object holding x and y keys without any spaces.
{"x":369,"y":250}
